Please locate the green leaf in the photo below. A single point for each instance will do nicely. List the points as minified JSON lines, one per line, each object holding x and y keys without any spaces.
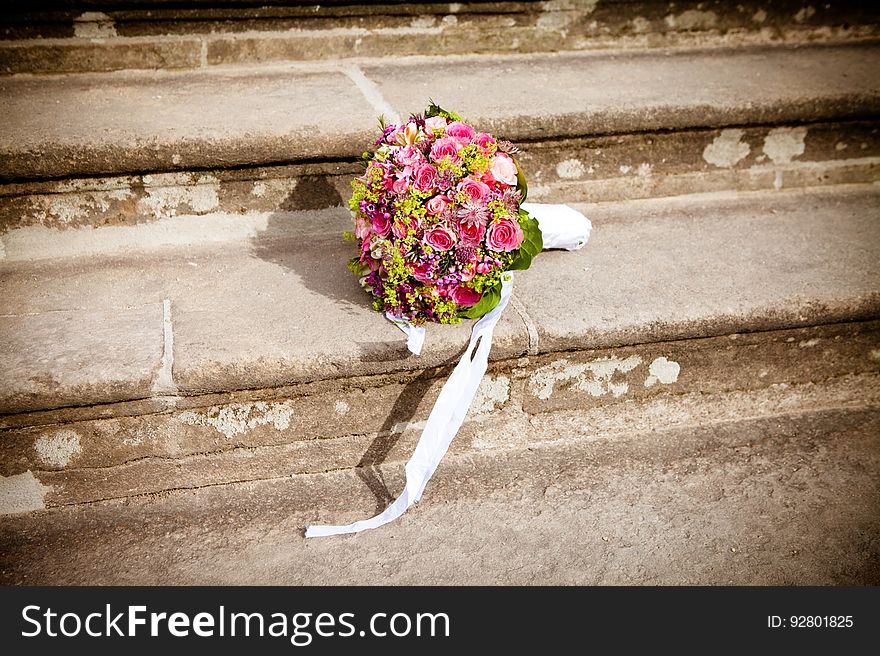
{"x":436,"y":110}
{"x":521,"y":183}
{"x":533,"y":242}
{"x":491,"y":298}
{"x":357,"y":268}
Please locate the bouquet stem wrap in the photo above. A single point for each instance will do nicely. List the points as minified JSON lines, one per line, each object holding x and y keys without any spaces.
{"x":561,"y":227}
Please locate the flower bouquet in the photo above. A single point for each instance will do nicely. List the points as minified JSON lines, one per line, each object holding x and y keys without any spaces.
{"x":441,"y":222}
{"x":438,"y":217}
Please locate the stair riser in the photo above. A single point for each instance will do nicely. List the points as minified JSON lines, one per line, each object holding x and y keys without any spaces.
{"x":780,"y":500}
{"x":591,"y":170}
{"x":187,"y":39}
{"x":525,"y":402}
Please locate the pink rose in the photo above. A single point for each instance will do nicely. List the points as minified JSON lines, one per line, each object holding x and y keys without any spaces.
{"x":419,"y":271}
{"x":476,"y":190}
{"x":503,"y":169}
{"x":465,"y":295}
{"x":436,"y":205}
{"x":399,"y":186}
{"x":504,"y":235}
{"x":467,"y":273}
{"x":471,"y":233}
{"x":381,"y":224}
{"x":424,"y":177}
{"x":408,"y":155}
{"x":460,"y":131}
{"x":435,"y":123}
{"x":440,"y":238}
{"x":445,"y":148}
{"x":486,"y":142}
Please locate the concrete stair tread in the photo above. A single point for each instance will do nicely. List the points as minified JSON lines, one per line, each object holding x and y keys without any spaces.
{"x":746,"y":501}
{"x":279,"y":307}
{"x":208,"y":34}
{"x":62,"y":126}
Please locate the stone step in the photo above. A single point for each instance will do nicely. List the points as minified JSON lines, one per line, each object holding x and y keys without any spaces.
{"x":66,"y":127}
{"x":570,"y":152}
{"x":132,"y":371}
{"x":586,"y":169}
{"x":775,"y":496}
{"x":191,"y":35}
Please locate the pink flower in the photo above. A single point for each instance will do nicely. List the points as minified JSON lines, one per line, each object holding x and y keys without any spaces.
{"x":445,"y":147}
{"x":504,"y":235}
{"x":467,"y":273}
{"x":419,"y":271}
{"x":361,"y":227}
{"x":424,"y":177}
{"x":408,"y":155}
{"x":476,"y":190}
{"x":436,"y":205}
{"x":401,"y":230}
{"x":440,"y":237}
{"x":465,"y":295}
{"x":399,"y":186}
{"x":503,"y":169}
{"x":435,"y":123}
{"x":471,"y":233}
{"x":381,"y":224}
{"x":460,"y":131}
{"x":486,"y":142}
{"x":483,"y":267}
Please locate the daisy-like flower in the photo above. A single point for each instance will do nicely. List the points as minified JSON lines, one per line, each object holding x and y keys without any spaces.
{"x":507,"y":147}
{"x":472,"y":212}
{"x":511,"y":199}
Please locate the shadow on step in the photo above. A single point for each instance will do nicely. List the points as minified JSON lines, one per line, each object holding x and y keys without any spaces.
{"x":310,"y":245}
{"x":401,"y":413}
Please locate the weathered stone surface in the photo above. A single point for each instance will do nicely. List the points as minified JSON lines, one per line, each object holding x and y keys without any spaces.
{"x":596,"y":169}
{"x":129,"y":200}
{"x":689,"y":269}
{"x":118,"y":124}
{"x":372,"y":408}
{"x":716,"y":365}
{"x":123,"y":123}
{"x":619,"y":93}
{"x":78,"y":55}
{"x":77,"y":357}
{"x":272,"y":306}
{"x":654,"y":164}
{"x":751,"y":501}
{"x":145,"y":38}
{"x":306,"y":319}
{"x":599,"y":394}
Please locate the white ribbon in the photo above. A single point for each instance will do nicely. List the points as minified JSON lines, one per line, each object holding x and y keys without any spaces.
{"x":561,"y":227}
{"x":443,"y":422}
{"x":415,"y":335}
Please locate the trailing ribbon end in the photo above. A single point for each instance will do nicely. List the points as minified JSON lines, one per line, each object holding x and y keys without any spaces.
{"x":443,"y":423}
